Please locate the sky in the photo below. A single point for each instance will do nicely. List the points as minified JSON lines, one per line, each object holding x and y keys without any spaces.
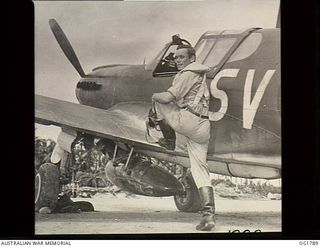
{"x":104,"y":32}
{"x":112,"y":32}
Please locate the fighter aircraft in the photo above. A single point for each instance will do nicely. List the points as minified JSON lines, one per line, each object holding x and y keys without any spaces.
{"x":114,"y":101}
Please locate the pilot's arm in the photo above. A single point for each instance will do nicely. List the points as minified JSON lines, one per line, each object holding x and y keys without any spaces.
{"x":163,"y":98}
{"x":181,"y":86}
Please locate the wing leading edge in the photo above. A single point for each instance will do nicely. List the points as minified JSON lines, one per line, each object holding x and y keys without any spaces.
{"x":124,"y":122}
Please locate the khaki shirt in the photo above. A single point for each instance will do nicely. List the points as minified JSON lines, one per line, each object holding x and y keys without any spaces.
{"x":185,"y":87}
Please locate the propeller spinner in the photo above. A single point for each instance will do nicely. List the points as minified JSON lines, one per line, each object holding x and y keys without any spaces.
{"x":66,"y":46}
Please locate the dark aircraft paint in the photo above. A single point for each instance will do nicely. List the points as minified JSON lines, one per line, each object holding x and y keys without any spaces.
{"x":245,"y":108}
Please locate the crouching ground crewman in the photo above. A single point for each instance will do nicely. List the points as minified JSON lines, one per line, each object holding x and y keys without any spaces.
{"x":184,"y":108}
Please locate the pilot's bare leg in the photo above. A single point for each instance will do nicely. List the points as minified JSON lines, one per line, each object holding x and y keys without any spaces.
{"x":200,"y":173}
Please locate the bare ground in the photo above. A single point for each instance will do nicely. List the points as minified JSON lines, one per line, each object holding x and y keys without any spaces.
{"x":142,"y":215}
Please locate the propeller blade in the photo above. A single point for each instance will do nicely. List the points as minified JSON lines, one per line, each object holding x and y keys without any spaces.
{"x":278,"y":25}
{"x":65,"y":46}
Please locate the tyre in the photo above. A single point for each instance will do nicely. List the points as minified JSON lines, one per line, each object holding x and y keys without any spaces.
{"x":84,"y":206}
{"x":190,"y":200}
{"x":46,"y":186}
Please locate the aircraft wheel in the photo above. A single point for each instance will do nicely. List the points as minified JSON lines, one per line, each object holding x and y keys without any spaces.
{"x":46,"y":186}
{"x":190,"y":201}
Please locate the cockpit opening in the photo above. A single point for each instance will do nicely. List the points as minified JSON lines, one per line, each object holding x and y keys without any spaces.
{"x":164,"y":64}
{"x":211,"y":49}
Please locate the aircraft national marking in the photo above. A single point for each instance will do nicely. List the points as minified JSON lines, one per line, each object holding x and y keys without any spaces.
{"x":249,"y":106}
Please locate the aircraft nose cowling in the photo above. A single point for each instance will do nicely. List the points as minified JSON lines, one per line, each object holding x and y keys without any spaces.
{"x":144,"y":178}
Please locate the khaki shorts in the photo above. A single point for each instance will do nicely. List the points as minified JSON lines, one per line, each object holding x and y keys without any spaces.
{"x":184,"y":122}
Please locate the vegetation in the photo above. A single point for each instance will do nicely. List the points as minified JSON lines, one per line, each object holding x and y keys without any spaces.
{"x":226,"y":188}
{"x":42,"y":151}
{"x":88,"y":165}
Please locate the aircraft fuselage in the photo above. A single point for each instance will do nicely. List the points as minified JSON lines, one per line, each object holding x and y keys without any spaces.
{"x":245,"y":107}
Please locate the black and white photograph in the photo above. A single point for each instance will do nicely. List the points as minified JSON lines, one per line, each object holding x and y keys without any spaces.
{"x":157,"y":117}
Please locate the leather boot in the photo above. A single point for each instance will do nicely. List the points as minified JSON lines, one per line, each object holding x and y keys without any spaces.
{"x":152,"y":119}
{"x":208,"y":212}
{"x":169,"y":140}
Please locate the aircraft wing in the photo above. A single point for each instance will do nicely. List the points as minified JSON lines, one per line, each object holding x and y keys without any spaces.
{"x":124,"y":122}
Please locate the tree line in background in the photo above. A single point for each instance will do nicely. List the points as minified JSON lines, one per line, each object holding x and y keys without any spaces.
{"x":88,"y":165}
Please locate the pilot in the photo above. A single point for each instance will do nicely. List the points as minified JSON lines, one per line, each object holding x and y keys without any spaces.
{"x":184,"y":109}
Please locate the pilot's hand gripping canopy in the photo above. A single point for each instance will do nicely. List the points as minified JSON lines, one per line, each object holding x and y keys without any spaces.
{"x":167,"y":66}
